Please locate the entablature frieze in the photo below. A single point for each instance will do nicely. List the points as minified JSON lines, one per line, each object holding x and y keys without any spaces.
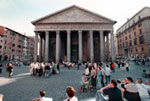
{"x":54,"y":27}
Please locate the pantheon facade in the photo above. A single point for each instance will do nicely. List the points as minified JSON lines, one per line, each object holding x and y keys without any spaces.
{"x":74,"y":34}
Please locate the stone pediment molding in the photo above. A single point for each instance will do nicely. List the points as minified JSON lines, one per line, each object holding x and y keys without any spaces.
{"x":73,"y":14}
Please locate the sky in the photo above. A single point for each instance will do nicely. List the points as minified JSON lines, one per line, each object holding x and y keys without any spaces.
{"x":18,"y":14}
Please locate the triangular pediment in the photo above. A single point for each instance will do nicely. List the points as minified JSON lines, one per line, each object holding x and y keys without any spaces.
{"x":73,"y":14}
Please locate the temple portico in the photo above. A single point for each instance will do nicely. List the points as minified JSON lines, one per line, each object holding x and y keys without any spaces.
{"x":74,"y":34}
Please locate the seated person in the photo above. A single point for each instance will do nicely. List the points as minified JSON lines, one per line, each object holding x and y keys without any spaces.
{"x":70,"y":93}
{"x":43,"y":98}
{"x":114,"y":93}
{"x":148,"y":74}
{"x":85,"y":81}
{"x":144,"y":73}
{"x":130,"y":90}
{"x":142,"y":90}
{"x":147,"y":86}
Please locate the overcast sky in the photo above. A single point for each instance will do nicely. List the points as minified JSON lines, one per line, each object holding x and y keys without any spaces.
{"x":18,"y":14}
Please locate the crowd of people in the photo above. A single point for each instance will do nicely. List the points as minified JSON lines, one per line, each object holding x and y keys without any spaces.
{"x":127,"y":90}
{"x":96,"y":76}
{"x":44,"y":69}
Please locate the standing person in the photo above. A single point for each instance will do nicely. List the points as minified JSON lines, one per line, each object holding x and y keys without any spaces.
{"x":6,"y":66}
{"x":108,"y":74}
{"x":70,"y":93}
{"x":10,"y":70}
{"x":93,"y":77}
{"x":100,"y":77}
{"x":34,"y":69}
{"x":40,"y":69}
{"x":127,"y":66}
{"x":118,"y":64}
{"x":114,"y":93}
{"x":86,"y":70}
{"x":142,"y":90}
{"x":130,"y":90}
{"x":79,"y":65}
{"x":113,"y":66}
{"x":143,"y":62}
{"x":123,"y":64}
{"x":58,"y":67}
{"x":31,"y":68}
{"x":47,"y":70}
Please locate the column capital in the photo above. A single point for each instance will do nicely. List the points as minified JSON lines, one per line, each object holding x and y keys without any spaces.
{"x":57,"y":31}
{"x":46,"y":32}
{"x":68,"y":31}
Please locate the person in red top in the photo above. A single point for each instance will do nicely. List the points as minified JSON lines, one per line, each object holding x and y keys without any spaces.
{"x":10,"y":70}
{"x":113,"y":66}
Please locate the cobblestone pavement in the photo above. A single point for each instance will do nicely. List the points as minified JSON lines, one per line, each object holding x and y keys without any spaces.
{"x":23,"y":87}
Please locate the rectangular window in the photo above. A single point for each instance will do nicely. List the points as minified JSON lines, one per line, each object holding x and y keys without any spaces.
{"x":140,"y":30}
{"x":130,"y":43}
{"x":139,"y":17}
{"x":134,"y":34}
{"x":142,"y":49}
{"x":129,"y":30}
{"x":126,"y":44}
{"x":129,"y":36}
{"x":136,"y":50}
{"x":6,"y":31}
{"x":141,"y":39}
{"x":126,"y":38}
{"x":135,"y":41}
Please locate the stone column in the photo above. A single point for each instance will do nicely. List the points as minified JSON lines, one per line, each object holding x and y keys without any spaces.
{"x":57,"y":46}
{"x":107,"y":46}
{"x":80,"y":45}
{"x":40,"y":50}
{"x":91,"y":47}
{"x":112,"y":46}
{"x":101,"y":45}
{"x":36,"y":47}
{"x":68,"y":46}
{"x":43,"y":48}
{"x":46,"y":46}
